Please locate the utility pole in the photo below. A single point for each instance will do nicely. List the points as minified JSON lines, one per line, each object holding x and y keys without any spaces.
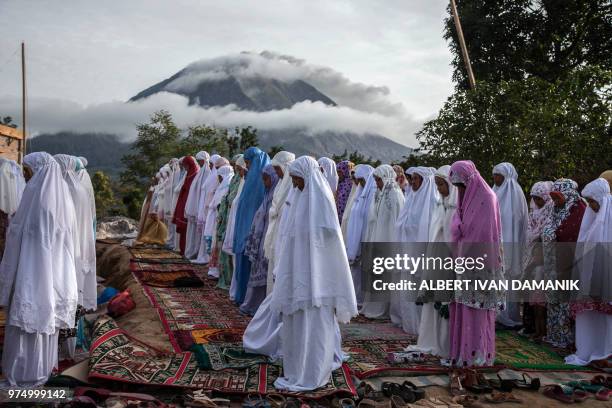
{"x":464,"y":51}
{"x":23,"y":103}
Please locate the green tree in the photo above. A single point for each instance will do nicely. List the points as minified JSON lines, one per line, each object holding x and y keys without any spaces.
{"x":202,"y":137}
{"x":157,"y":142}
{"x":356,"y":158}
{"x":547,"y":130}
{"x":518,"y":39}
{"x":248,"y":137}
{"x":105,"y":197}
{"x":275,"y":149}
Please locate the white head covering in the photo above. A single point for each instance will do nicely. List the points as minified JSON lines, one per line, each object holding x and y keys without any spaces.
{"x":330,"y":172}
{"x":12,"y":185}
{"x":207,"y":191}
{"x":37,"y":273}
{"x":84,"y":161}
{"x":312,"y":269}
{"x":359,"y":212}
{"x":226,"y":173}
{"x":387,"y":205}
{"x":514,"y":217}
{"x":416,"y":216}
{"x":193,"y":199}
{"x":85,"y":243}
{"x":439,"y":229}
{"x":512,"y":204}
{"x":281,"y":159}
{"x":593,"y":252}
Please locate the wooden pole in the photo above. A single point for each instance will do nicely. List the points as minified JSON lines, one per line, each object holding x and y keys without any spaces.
{"x":23,"y":103}
{"x":464,"y":51}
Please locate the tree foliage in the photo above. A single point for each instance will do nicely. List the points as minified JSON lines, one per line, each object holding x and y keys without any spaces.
{"x":104,"y":195}
{"x":547,"y":130}
{"x":161,"y":139}
{"x":518,"y":39}
{"x":356,"y":158}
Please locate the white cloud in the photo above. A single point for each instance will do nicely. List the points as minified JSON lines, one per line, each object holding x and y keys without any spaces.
{"x":53,"y":115}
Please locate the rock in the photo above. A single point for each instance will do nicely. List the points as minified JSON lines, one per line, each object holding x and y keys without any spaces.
{"x":118,"y":228}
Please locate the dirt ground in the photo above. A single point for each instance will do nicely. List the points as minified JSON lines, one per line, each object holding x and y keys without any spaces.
{"x":143,"y":323}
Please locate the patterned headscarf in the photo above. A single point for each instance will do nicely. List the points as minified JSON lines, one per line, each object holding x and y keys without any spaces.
{"x":569,"y":189}
{"x":539,"y":216}
{"x":344,"y":187}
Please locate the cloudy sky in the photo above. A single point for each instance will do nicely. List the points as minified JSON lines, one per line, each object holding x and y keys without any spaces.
{"x":385,"y":61}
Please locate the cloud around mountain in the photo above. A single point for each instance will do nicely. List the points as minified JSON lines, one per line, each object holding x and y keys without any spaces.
{"x":361,"y":109}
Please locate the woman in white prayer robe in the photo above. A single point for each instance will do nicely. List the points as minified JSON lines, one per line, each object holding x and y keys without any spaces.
{"x":85,"y":179}
{"x":434,"y":329}
{"x":193,"y":238}
{"x":228,"y":246}
{"x":281,"y":163}
{"x":380,"y":226}
{"x":167,"y":208}
{"x":207,"y":191}
{"x":515,"y":218}
{"x":594,"y":310}
{"x":349,"y":204}
{"x":262,"y":335}
{"x":224,"y":176}
{"x":38,"y":283}
{"x":413,"y":226}
{"x":313,"y":290}
{"x":364,"y":196}
{"x":12,"y":184}
{"x":86,"y":243}
{"x":328,"y":167}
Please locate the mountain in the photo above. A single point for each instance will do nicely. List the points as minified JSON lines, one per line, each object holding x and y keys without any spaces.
{"x":103,"y":151}
{"x":250,"y":82}
{"x":252,"y":94}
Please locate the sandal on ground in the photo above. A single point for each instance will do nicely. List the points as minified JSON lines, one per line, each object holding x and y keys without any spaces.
{"x":389,"y":389}
{"x":418,"y":392}
{"x":502,"y":397}
{"x":584,"y":385}
{"x":275,"y":400}
{"x":456,"y":387}
{"x":473,"y":383}
{"x":431,"y":403}
{"x":528,"y":382}
{"x":502,"y":385}
{"x":580,"y":396}
{"x":254,"y":401}
{"x":557,"y":393}
{"x":291,"y":403}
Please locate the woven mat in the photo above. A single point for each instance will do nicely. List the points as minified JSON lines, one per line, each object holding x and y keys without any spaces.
{"x":515,"y":351}
{"x":163,"y":279}
{"x":119,"y":357}
{"x":155,"y":253}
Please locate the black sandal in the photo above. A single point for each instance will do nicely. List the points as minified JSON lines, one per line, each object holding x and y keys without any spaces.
{"x":390,"y":389}
{"x":533,"y":383}
{"x":418,"y":393}
{"x":502,"y":385}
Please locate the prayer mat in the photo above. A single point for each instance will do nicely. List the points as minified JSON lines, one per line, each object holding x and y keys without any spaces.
{"x":163,"y":279}
{"x":188,"y":314}
{"x":372,"y":330}
{"x":154,"y":253}
{"x":142,"y":266}
{"x":368,"y":358}
{"x":223,"y":356}
{"x":114,"y":355}
{"x":515,"y":351}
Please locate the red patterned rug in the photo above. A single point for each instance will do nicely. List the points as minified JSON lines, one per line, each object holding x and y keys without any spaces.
{"x":114,"y":355}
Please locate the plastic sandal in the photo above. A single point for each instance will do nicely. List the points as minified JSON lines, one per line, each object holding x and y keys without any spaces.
{"x":502,"y":385}
{"x":584,"y":385}
{"x":254,"y":401}
{"x":456,"y":387}
{"x":347,"y":403}
{"x":556,"y":392}
{"x":389,"y":389}
{"x":580,"y":396}
{"x":418,"y":393}
{"x":275,"y":400}
{"x":532,"y":384}
{"x":398,"y":402}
